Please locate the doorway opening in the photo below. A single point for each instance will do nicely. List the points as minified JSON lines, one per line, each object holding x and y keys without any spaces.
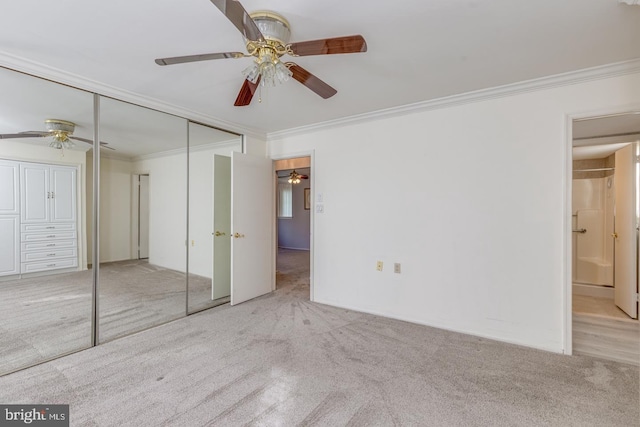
{"x":604,"y":243}
{"x":293,"y":201}
{"x":143,"y":216}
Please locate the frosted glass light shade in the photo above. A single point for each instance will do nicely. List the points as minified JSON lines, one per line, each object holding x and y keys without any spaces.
{"x":272,"y":26}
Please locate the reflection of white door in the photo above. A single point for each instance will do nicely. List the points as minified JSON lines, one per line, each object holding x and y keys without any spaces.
{"x":251,"y":222}
{"x":36,"y":194}
{"x":63,"y":194}
{"x":143,"y":217}
{"x":625,"y":285}
{"x":221,"y":282}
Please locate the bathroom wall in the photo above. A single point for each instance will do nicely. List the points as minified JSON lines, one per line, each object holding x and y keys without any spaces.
{"x":593,"y":210}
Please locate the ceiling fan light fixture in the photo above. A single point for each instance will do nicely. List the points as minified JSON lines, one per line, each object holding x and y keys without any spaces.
{"x":60,"y":131}
{"x":294,"y":178}
{"x":268,"y":68}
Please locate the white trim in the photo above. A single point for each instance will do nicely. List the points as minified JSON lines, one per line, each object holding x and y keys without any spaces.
{"x":443,"y":326}
{"x":38,"y":69}
{"x":567,"y":333}
{"x":564,"y":79}
{"x":567,"y":223}
{"x":182,"y":150}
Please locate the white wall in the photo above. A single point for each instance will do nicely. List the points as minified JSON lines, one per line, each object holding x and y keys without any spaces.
{"x":470,"y":199}
{"x":115,"y":208}
{"x":167,"y":207}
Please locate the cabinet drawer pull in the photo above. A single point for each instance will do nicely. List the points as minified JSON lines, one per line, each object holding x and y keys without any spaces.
{"x":51,"y":244}
{"x":51,"y":236}
{"x":51,"y":254}
{"x":51,"y":265}
{"x":51,"y":227}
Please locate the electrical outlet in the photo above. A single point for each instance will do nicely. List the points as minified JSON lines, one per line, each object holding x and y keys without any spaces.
{"x":396,"y":268}
{"x":193,"y":243}
{"x":379,"y":266}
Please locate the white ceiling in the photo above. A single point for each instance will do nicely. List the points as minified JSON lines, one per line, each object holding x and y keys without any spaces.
{"x":417,"y":49}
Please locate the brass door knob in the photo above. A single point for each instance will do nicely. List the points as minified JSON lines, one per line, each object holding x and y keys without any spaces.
{"x":218,"y":233}
{"x":238,"y":235}
{"x":614,"y":235}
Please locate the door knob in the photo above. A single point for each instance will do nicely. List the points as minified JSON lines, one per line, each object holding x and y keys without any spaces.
{"x":238,"y":235}
{"x":218,"y":233}
{"x":614,"y":235}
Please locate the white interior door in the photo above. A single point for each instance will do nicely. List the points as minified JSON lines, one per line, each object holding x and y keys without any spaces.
{"x":143,"y":217}
{"x":625,"y":232}
{"x":251,"y":221}
{"x":221,"y":286}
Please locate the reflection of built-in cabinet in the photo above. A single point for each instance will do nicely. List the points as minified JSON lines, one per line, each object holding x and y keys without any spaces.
{"x":37,"y":217}
{"x":48,"y":217}
{"x":48,"y":193}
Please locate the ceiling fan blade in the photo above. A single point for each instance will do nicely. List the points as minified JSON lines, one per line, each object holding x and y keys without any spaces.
{"x":90,"y":142}
{"x":311,"y":81}
{"x":246,"y":93}
{"x":239,"y":17}
{"x":347,"y":44}
{"x":34,"y":134}
{"x":196,"y":58}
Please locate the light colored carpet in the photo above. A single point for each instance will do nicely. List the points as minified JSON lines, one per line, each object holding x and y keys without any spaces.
{"x":43,"y":317}
{"x":282,"y":360}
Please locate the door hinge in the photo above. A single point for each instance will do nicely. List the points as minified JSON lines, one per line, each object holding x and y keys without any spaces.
{"x":637,"y":297}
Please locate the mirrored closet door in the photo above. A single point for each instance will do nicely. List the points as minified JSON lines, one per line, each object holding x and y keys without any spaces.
{"x":46,"y":151}
{"x":143,"y":218}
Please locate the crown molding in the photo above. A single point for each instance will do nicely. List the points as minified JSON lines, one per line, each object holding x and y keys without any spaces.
{"x":56,"y":75}
{"x":184,"y":150}
{"x":630,"y":2}
{"x":557,"y":80}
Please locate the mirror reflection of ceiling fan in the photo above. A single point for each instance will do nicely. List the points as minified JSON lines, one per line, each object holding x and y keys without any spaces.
{"x":266,"y":35}
{"x":60,"y":131}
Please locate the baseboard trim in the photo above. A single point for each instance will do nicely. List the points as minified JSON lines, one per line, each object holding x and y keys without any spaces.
{"x":593,"y":290}
{"x":556,"y":350}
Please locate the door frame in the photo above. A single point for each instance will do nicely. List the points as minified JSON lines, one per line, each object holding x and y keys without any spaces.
{"x":312,"y":231}
{"x":567,"y":188}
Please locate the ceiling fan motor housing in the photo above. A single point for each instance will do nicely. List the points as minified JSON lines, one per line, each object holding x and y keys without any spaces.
{"x":59,"y":126}
{"x":274,"y":27}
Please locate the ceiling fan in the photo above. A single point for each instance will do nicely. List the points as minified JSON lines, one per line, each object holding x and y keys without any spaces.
{"x":60,"y":131}
{"x":267,"y":39}
{"x":294,"y":177}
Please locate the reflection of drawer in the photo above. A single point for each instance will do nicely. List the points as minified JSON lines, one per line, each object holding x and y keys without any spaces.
{"x":47,"y":227}
{"x":51,"y":254}
{"x":35,"y":236}
{"x":49,"y":265}
{"x":48,"y":245}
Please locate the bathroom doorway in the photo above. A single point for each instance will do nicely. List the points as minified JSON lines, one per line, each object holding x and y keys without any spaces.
{"x":604,"y":241}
